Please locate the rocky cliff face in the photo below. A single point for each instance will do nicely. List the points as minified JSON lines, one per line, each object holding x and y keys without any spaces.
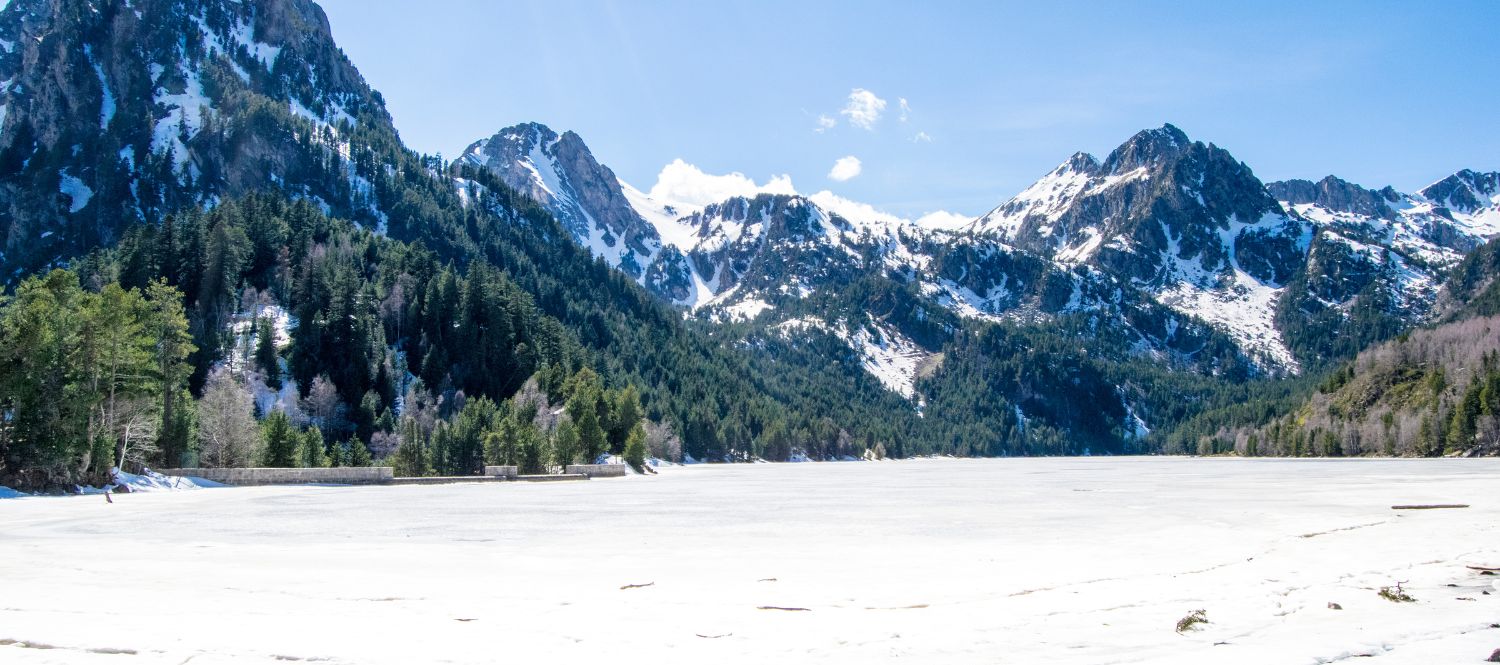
{"x":1382,"y":251}
{"x":559,"y":172}
{"x":1466,"y":192}
{"x":1157,"y":198}
{"x":114,"y":112}
{"x":1182,"y":221}
{"x":1337,"y":194}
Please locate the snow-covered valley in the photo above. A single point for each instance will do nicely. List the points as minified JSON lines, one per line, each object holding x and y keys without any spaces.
{"x":932,"y":561}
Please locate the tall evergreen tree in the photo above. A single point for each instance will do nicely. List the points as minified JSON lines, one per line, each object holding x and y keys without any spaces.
{"x":312,"y":450}
{"x":267,"y":358}
{"x":280,"y":440}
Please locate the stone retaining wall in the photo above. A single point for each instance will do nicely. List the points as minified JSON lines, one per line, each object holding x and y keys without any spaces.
{"x":597,"y":470}
{"x":344,"y":475}
{"x":502,"y":471}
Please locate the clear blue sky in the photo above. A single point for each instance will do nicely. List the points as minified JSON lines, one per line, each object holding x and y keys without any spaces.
{"x":1376,"y":92}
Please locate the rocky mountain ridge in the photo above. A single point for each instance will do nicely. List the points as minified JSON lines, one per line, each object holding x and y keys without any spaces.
{"x":1166,"y":238}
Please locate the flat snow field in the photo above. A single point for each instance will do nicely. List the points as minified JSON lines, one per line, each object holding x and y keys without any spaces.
{"x":995,"y":561}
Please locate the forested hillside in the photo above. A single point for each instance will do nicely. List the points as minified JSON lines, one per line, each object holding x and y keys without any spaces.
{"x":1427,"y":393}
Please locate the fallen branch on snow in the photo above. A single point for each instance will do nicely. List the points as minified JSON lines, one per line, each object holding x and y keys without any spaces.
{"x":1430,"y":506}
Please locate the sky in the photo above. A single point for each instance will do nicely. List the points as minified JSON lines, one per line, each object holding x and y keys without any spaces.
{"x":915,"y":107}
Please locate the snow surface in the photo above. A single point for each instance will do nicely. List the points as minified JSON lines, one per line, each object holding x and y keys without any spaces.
{"x":77,"y":192}
{"x":1047,"y":198}
{"x":927,"y":561}
{"x":107,"y":104}
{"x":889,"y":356}
{"x":244,"y":35}
{"x":184,"y":116}
{"x":747,"y":309}
{"x":151,"y":481}
{"x":1245,"y":309}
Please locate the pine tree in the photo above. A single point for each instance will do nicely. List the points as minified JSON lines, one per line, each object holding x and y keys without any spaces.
{"x":583,"y":408}
{"x":173,"y":345}
{"x":313,"y":454}
{"x":411,"y":457}
{"x":266,"y":356}
{"x":359,"y":454}
{"x":635,"y":448}
{"x":280,"y":440}
{"x":565,"y":444}
{"x":625,"y":414}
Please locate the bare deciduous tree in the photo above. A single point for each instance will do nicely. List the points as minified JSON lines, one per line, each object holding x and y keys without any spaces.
{"x":227,"y":434}
{"x":662,"y":442}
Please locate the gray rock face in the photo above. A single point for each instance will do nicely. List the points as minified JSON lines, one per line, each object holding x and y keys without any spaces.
{"x":559,"y":172}
{"x":117,"y":112}
{"x":670,"y":276}
{"x":1156,"y":199}
{"x":1466,"y":191}
{"x":771,"y":244}
{"x":1337,"y":194}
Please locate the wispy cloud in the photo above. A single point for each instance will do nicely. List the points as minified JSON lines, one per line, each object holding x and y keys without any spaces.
{"x":825,"y":123}
{"x":905,"y":109}
{"x":863,"y":109}
{"x":845,"y":169}
{"x":921,"y":137}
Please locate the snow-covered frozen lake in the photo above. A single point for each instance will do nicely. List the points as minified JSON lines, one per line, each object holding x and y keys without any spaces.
{"x":995,"y":561}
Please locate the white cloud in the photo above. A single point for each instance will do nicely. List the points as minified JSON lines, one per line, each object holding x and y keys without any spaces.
{"x":943,"y":219}
{"x":922,"y":137}
{"x":846,"y":168}
{"x":854,"y":211}
{"x":863,"y":109}
{"x":905,"y":109}
{"x":825,"y":123}
{"x":681,"y":183}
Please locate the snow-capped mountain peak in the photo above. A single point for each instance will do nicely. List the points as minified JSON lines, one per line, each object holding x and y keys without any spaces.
{"x":706,"y":242}
{"x":559,"y":172}
{"x":1466,"y":191}
{"x":1147,"y":149}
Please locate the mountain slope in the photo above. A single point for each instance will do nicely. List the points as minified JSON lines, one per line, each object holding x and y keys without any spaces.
{"x":302,"y":125}
{"x":115,"y":113}
{"x":560,"y":173}
{"x":1181,"y":220}
{"x":1429,"y":393}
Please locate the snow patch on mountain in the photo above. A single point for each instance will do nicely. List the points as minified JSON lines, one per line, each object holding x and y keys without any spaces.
{"x":668,"y":217}
{"x":1242,"y":305}
{"x":244,"y":35}
{"x":963,"y":301}
{"x":892,"y":358}
{"x":1047,"y":199}
{"x":746,"y":310}
{"x":107,"y":104}
{"x":76,"y":191}
{"x":184,"y":117}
